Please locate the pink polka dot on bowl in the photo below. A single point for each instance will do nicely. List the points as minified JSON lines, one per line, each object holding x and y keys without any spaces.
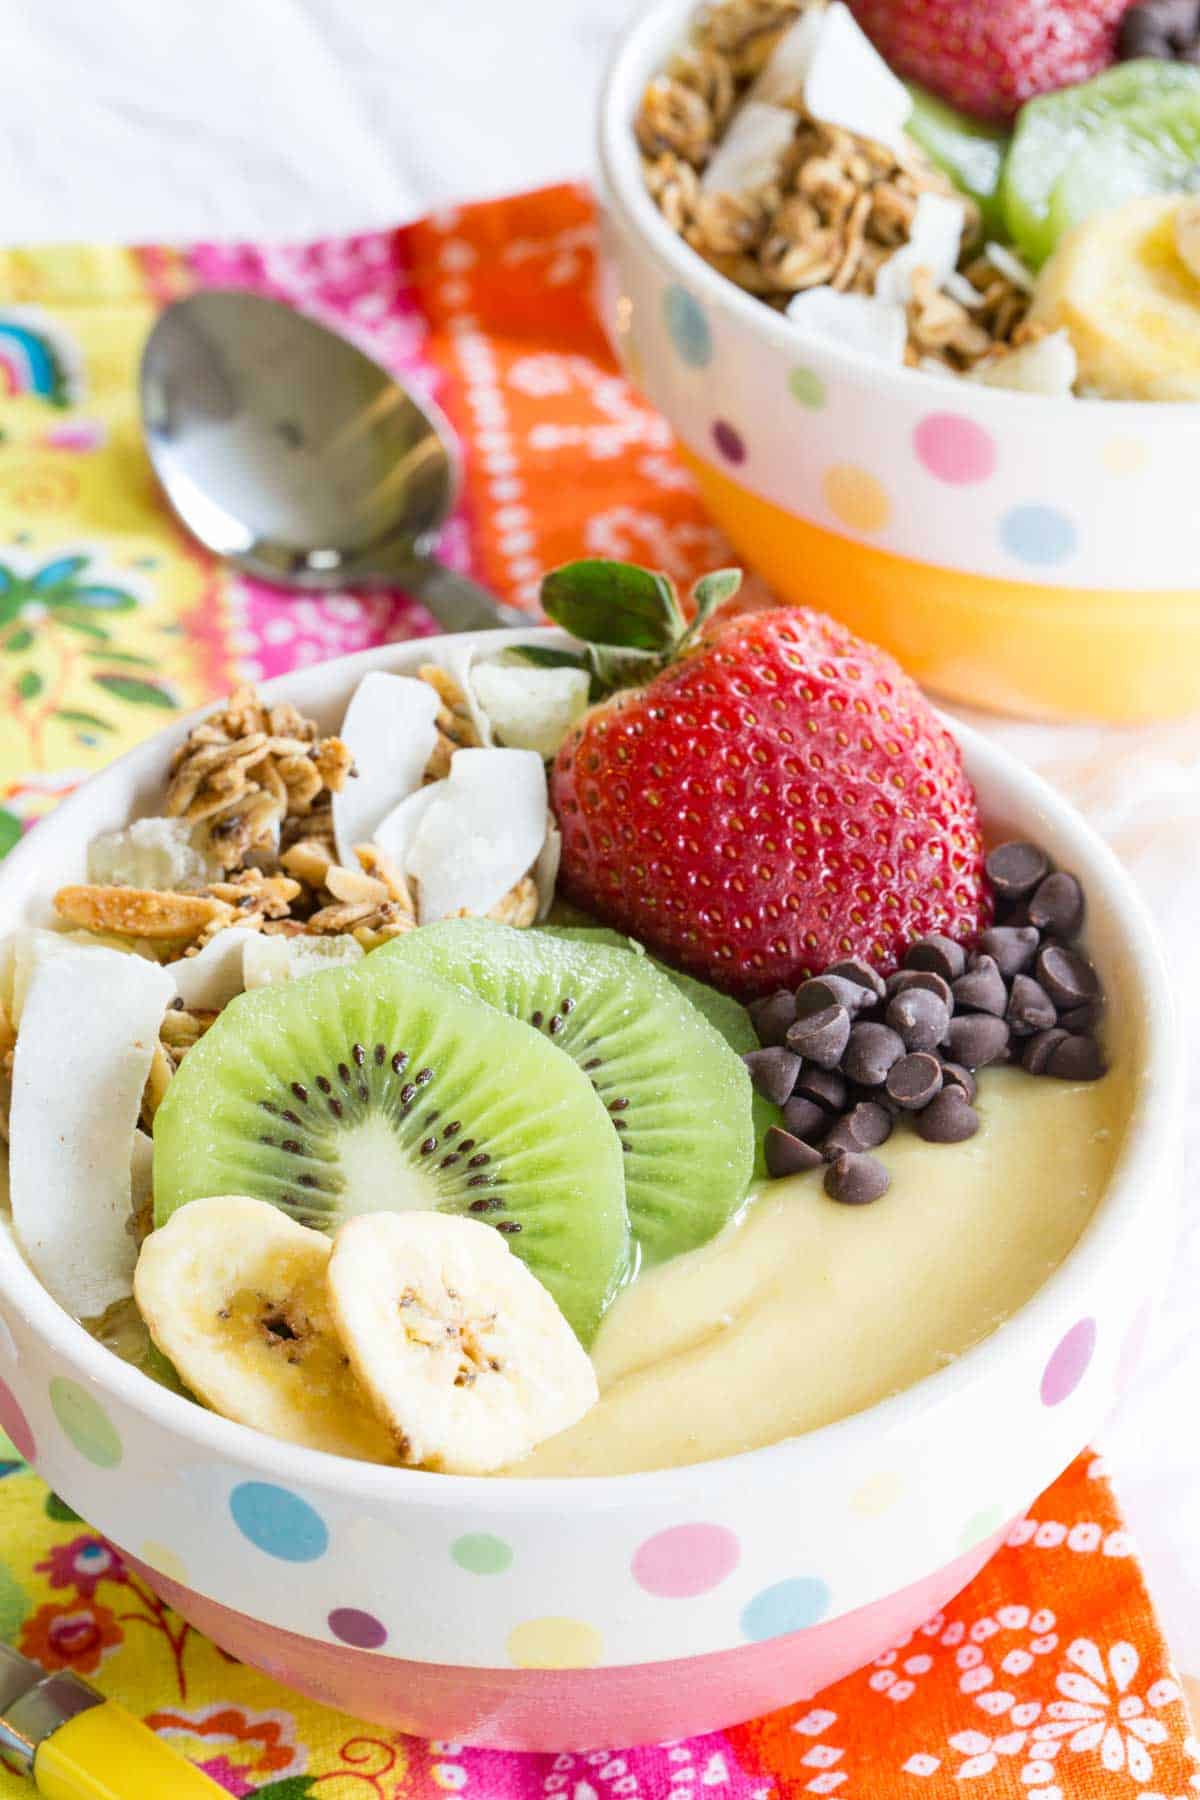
{"x":685,"y":1560}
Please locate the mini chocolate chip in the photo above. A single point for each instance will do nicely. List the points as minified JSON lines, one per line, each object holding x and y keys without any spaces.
{"x":1081,"y":1018}
{"x":1012,"y":946}
{"x":773,"y":1072}
{"x":788,"y":1155}
{"x":1076,"y":1059}
{"x":865,"y":1127}
{"x":831,"y":990}
{"x":1067,"y":977}
{"x":914,"y":1080}
{"x":982,"y":988}
{"x":1030,"y":1007}
{"x":1058,"y":905}
{"x":826,"y":1086}
{"x":920,"y":1017}
{"x":856,"y":1180}
{"x":853,"y":968}
{"x":903,"y":979}
{"x":975,"y":1039}
{"x":1014,"y":869}
{"x":938,"y":953}
{"x":804,"y":1118}
{"x":821,"y":1037}
{"x":870,"y":1053}
{"x":1040,"y":1049}
{"x":772,"y":1016}
{"x":950,"y":1119}
{"x":955,"y":1075}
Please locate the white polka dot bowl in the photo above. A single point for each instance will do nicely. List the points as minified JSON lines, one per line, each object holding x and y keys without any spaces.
{"x":573,"y":1614}
{"x":1026,"y":554}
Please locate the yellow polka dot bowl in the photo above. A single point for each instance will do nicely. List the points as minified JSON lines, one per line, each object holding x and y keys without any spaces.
{"x":571,"y":1614}
{"x":1024,"y":554}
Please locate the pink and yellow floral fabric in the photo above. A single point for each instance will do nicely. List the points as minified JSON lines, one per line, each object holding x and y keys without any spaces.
{"x":1049,"y":1678}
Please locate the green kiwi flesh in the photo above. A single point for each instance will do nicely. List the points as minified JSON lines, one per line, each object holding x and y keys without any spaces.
{"x":679,"y":1098}
{"x":377,"y":1088}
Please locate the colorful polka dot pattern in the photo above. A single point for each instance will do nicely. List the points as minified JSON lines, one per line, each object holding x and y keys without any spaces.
{"x":1069,"y":1363}
{"x":279,"y":1522}
{"x":361,"y":1630}
{"x":954,"y":449}
{"x":554,"y":1643}
{"x":687,"y":327}
{"x":85,"y":1423}
{"x":1039,"y":535}
{"x":14,"y":1422}
{"x":856,"y":498}
{"x":685,"y":1560}
{"x":482,"y":1554}
{"x":787,"y":1606}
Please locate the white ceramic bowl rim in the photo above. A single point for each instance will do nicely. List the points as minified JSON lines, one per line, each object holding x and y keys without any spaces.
{"x":639,"y":55}
{"x":1157,"y":1096}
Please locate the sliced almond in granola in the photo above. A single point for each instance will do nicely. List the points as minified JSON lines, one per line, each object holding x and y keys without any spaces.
{"x":354,"y":886}
{"x":137,"y":912}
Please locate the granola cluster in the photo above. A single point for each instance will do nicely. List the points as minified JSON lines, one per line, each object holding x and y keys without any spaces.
{"x":835,"y":209}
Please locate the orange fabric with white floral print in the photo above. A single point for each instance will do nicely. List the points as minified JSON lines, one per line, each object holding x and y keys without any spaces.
{"x":1048,"y":1678}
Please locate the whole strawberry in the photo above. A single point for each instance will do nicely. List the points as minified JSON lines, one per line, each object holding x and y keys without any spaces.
{"x":990,"y":56}
{"x":770,"y":797}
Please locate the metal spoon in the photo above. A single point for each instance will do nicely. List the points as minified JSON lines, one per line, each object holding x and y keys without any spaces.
{"x":286,"y":450}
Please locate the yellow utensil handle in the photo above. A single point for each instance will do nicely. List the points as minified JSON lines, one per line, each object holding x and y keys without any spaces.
{"x":107,"y":1754}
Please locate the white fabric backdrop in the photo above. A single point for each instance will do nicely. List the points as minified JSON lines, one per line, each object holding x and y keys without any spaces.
{"x":143,"y":119}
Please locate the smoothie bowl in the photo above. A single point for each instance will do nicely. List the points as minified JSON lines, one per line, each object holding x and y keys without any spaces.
{"x":860,"y":1264}
{"x":896,"y":407}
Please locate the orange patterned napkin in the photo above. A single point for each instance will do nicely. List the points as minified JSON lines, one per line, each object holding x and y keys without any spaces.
{"x":1048,"y":1678}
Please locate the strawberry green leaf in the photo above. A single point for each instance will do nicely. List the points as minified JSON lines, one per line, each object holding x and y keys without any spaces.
{"x":137,"y":693}
{"x":615,"y":604}
{"x":714,"y":590}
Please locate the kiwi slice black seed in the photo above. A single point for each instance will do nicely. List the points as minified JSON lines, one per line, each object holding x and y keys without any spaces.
{"x":679,"y":1098}
{"x":377,"y":1088}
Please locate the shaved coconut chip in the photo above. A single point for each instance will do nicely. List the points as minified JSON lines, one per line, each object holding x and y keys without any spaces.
{"x":852,"y":321}
{"x":1008,"y":263}
{"x":849,"y":84}
{"x":270,"y":959}
{"x":1048,"y":366}
{"x":394,"y":835}
{"x":88,"y":1030}
{"x":962,"y":290}
{"x":210,"y":979}
{"x":162,"y":854}
{"x":530,"y":708}
{"x":786,"y":69}
{"x":458,"y":660}
{"x":749,"y":154}
{"x":933,"y":244}
{"x":545,"y":870}
{"x":481,"y":834}
{"x":389,"y":730}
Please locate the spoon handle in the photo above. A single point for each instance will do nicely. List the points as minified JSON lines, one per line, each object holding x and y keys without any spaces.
{"x":456,"y":602}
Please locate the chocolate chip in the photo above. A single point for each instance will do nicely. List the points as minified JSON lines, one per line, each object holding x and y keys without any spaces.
{"x":920,"y":1017}
{"x":870,"y":1053}
{"x":804,"y":1118}
{"x":939,"y":954}
{"x":982,"y":988}
{"x":1067,"y":977}
{"x":821,"y":1037}
{"x":865,"y":1127}
{"x":788,"y":1155}
{"x":903,"y":979}
{"x":772,"y":1016}
{"x":1057,"y":906}
{"x":856,"y":1180}
{"x":856,"y":970}
{"x":773,"y":1072}
{"x":1167,"y":29}
{"x":831,"y":990}
{"x":914,"y":1080}
{"x":1014,"y":869}
{"x":950,"y":1119}
{"x":1081,"y":1018}
{"x":826,"y":1086}
{"x":1012,"y":946}
{"x":975,"y":1039}
{"x":1040,"y":1049}
{"x":955,"y":1075}
{"x":1076,"y":1059}
{"x":1030,"y":1007}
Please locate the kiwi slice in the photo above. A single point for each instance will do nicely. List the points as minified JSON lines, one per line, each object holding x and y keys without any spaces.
{"x":970,"y":151}
{"x":377,"y":1088}
{"x":677,"y":1095}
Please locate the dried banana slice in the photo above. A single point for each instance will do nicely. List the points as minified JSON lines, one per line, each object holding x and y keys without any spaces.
{"x":460,"y":1348}
{"x":233,"y":1292}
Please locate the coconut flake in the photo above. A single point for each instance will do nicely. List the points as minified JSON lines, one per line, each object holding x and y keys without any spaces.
{"x":965,"y":292}
{"x":88,"y":1029}
{"x":933,"y":244}
{"x":786,"y":69}
{"x":1048,"y":366}
{"x":266,"y":960}
{"x":210,"y":979}
{"x":458,"y":660}
{"x":749,"y":154}
{"x":855,"y":321}
{"x":848,"y":83}
{"x":481,"y":834}
{"x":162,"y":854}
{"x":530,"y":708}
{"x":1009,"y":264}
{"x":394,"y":834}
{"x":389,"y":730}
{"x":545,"y":869}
